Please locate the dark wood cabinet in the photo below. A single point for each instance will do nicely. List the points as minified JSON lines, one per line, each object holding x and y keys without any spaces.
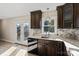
{"x":33,"y":20}
{"x":0,"y":28}
{"x":36,"y":18}
{"x":42,"y":49}
{"x":76,"y":15}
{"x":60,"y":16}
{"x":51,"y":48}
{"x":69,"y":17}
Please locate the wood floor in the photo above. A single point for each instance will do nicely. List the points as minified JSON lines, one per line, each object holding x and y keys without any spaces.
{"x":10,"y":49}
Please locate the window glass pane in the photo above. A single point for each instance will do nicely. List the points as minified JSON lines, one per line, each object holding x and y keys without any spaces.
{"x":46,"y":28}
{"x":18,"y":31}
{"x":26,"y":29}
{"x":49,"y":26}
{"x":51,"y":29}
{"x":46,"y":22}
{"x":52,"y":22}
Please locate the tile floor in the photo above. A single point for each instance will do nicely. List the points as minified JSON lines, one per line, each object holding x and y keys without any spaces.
{"x":14,"y":49}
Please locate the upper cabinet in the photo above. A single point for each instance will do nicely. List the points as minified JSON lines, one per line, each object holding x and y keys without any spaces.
{"x":68,"y":15}
{"x":76,"y":15}
{"x":36,"y":19}
{"x":60,"y":16}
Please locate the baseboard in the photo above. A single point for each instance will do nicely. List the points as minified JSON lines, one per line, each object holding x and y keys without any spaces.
{"x":7,"y":40}
{"x":13,"y":42}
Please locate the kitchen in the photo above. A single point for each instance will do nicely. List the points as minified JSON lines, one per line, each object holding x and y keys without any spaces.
{"x":50,"y":32}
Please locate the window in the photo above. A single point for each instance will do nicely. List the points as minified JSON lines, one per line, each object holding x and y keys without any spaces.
{"x":18,"y":31}
{"x":26,"y":30}
{"x":49,"y":26}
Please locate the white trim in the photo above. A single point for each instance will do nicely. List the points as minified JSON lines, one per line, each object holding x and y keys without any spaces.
{"x":22,"y":41}
{"x":8,"y":40}
{"x":32,"y":47}
{"x":55,"y":25}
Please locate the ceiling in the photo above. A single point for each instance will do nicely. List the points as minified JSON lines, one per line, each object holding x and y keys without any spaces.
{"x":18,"y":9}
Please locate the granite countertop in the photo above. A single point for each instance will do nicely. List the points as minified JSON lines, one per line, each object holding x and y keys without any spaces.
{"x":72,"y":48}
{"x":67,"y":41}
{"x":56,"y":39}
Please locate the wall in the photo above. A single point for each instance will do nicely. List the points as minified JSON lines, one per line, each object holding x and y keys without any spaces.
{"x":0,"y":29}
{"x":9,"y":28}
{"x":8,"y":10}
{"x":53,"y":15}
{"x":72,"y":34}
{"x":69,"y":33}
{"x":11,"y":15}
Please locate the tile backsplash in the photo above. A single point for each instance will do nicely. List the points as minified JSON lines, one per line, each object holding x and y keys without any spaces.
{"x":35,"y":32}
{"x":63,"y":33}
{"x":69,"y":33}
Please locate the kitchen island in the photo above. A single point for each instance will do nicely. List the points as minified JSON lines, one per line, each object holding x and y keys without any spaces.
{"x":49,"y":47}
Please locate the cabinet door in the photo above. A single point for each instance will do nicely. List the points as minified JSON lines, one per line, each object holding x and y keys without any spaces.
{"x":52,"y":50}
{"x":76,"y":15}
{"x":38,"y":19}
{"x":42,"y":49}
{"x":68,"y":15}
{"x":60,"y":16}
{"x":33,"y":22}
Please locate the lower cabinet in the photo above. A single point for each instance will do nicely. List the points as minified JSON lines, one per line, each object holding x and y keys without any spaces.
{"x":42,"y":49}
{"x":51,"y":48}
{"x":47,"y":50}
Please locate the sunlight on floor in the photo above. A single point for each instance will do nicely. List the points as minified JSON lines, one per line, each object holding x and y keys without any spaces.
{"x":9,"y":51}
{"x":21,"y":53}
